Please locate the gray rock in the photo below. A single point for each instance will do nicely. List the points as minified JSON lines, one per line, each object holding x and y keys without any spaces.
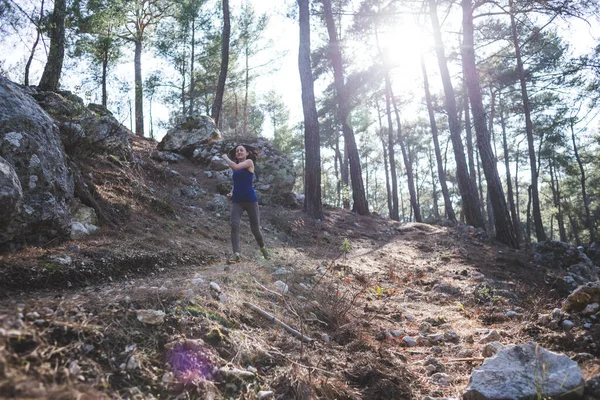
{"x":11,"y":194}
{"x":582,"y":296}
{"x":215,"y":287}
{"x":218,"y":203}
{"x":492,"y":336}
{"x":189,"y":135}
{"x":217,"y":163}
{"x":167,"y":156}
{"x":525,"y":371}
{"x":30,"y":143}
{"x":491,"y":349}
{"x":567,"y":325}
{"x":265,"y":395}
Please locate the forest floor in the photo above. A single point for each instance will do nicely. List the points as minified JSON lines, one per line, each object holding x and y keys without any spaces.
{"x":149,"y":308}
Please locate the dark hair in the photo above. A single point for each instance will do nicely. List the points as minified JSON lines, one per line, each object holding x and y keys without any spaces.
{"x":253,"y":152}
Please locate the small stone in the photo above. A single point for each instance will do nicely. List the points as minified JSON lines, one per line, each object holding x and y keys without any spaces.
{"x":591,"y":309}
{"x":197,"y":281}
{"x":281,"y":287}
{"x":441,"y":379}
{"x":409,"y":341}
{"x":325,"y":337}
{"x":252,"y":369}
{"x":544,"y":319}
{"x":32,"y":316}
{"x":451,"y":337}
{"x":151,"y":317}
{"x":492,"y":336}
{"x":397,"y":333}
{"x":281,"y":271}
{"x":435,"y":337}
{"x":133,"y":363}
{"x":265,"y":395}
{"x":567,"y":325}
{"x":74,"y":368}
{"x":215,"y":287}
{"x":491,"y":349}
{"x":511,"y":314}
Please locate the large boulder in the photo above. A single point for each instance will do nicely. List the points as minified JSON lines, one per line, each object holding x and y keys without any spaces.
{"x":274,"y":173}
{"x":85,"y":131}
{"x":190,"y":134}
{"x":526,"y":372}
{"x":11,"y":194}
{"x":30,"y":143}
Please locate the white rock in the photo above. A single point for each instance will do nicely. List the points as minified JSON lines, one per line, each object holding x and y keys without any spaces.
{"x":151,"y":317}
{"x":214,"y":286}
{"x":281,"y":287}
{"x":265,"y":395}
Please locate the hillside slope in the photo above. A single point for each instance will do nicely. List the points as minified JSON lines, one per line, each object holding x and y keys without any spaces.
{"x":149,"y":308}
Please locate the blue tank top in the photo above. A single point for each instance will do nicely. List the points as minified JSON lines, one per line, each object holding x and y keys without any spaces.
{"x":243,"y":192}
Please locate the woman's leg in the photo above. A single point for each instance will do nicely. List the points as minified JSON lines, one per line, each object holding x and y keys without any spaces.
{"x":254,"y":215}
{"x":236,"y":216}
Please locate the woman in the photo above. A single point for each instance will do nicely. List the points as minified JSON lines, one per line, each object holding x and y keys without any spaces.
{"x":244,"y":198}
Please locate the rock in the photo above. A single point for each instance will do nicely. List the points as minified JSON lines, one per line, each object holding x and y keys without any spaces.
{"x":11,"y":194}
{"x":133,"y":363}
{"x":219,"y":203}
{"x":591,"y":309}
{"x":491,"y":349}
{"x":492,"y":336}
{"x":189,"y":135}
{"x":101,"y":135}
{"x":167,"y":156}
{"x":409,"y":341}
{"x":217,"y":163}
{"x":30,"y":143}
{"x":265,"y":395}
{"x":451,"y":337}
{"x":441,"y":379}
{"x":567,"y":325}
{"x":512,"y":314}
{"x":215,"y":287}
{"x":228,"y":373}
{"x":544,"y":319}
{"x":582,"y":296}
{"x":525,"y":371}
{"x":281,"y":287}
{"x":325,"y":337}
{"x":558,"y":254}
{"x":151,"y":317}
{"x":78,"y":231}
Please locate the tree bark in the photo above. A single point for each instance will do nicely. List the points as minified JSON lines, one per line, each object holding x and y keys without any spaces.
{"x":468,"y":191}
{"x":537,"y":215}
{"x":438,"y":154}
{"x":414,"y":201}
{"x":388,"y":94}
{"x":434,"y":193}
{"x":358,"y":191}
{"x":504,"y":229}
{"x":139,"y":94}
{"x":192,"y":57}
{"x":554,"y":185}
{"x":586,"y":200}
{"x":218,"y":102}
{"x":312,"y":144}
{"x":511,"y":199}
{"x":56,"y":55}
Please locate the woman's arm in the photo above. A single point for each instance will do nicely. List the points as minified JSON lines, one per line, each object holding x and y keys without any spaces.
{"x":243,"y":165}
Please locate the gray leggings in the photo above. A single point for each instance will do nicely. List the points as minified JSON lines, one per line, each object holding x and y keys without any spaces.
{"x":236,"y":215}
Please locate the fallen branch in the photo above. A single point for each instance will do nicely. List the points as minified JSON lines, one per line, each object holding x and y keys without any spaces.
{"x":274,"y":320}
{"x":466,"y":359}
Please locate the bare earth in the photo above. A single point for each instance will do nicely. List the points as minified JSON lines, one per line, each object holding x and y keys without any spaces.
{"x":72,"y":330}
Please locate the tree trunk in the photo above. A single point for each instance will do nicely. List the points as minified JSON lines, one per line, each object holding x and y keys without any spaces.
{"x":554,"y":185}
{"x":139,"y":94}
{"x":246,"y":84}
{"x":192,"y":78}
{"x":537,"y":215}
{"x":438,"y":154}
{"x":358,"y":191}
{"x":218,"y":102}
{"x":436,"y":212}
{"x":35,"y":43}
{"x":56,"y":55}
{"x":469,"y":133}
{"x":312,"y":143}
{"x":575,"y":229}
{"x":528,"y":239}
{"x":468,"y":191}
{"x":504,"y":229}
{"x":414,"y":201}
{"x":511,"y":199}
{"x":387,"y":179}
{"x":586,"y":200}
{"x":388,"y":94}
{"x":104,"y":76}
